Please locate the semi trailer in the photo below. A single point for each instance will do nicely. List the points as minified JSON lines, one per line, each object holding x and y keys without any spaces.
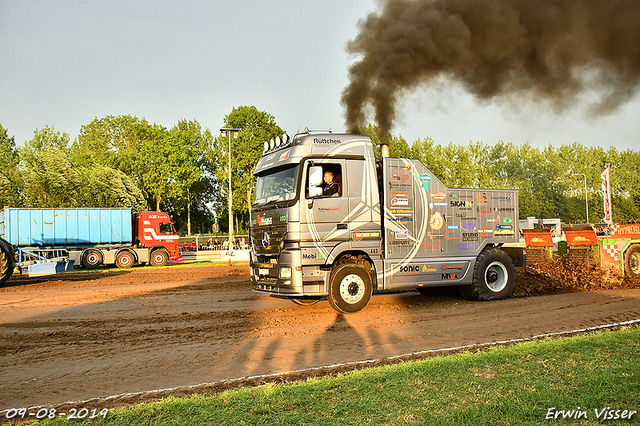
{"x":390,"y":225}
{"x":51,"y":240}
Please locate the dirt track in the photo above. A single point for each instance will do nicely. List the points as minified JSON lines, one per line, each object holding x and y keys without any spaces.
{"x":88,"y":335}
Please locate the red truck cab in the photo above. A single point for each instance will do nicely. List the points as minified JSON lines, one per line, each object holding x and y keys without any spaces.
{"x":155,"y":229}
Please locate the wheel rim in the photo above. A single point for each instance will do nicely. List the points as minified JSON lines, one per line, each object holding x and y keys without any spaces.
{"x":352,"y":288}
{"x":634,"y":263}
{"x":159,"y":258}
{"x":125,"y":260}
{"x":496,"y":277}
{"x":93,"y":259}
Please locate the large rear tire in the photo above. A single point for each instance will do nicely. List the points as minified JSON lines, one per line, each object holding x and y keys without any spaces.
{"x":350,"y":287}
{"x":493,"y":276}
{"x":92,"y":259}
{"x":632,"y":261}
{"x":125,"y":259}
{"x":7,"y":264}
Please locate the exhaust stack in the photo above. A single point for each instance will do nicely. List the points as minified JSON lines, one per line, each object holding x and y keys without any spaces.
{"x":384,"y":150}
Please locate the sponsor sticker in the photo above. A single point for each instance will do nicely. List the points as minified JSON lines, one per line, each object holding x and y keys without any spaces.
{"x":502,"y":198}
{"x":425,"y":178}
{"x":395,"y":201}
{"x":403,"y":219}
{"x":285,"y":155}
{"x":410,"y":269}
{"x":402,"y":177}
{"x":436,"y":221}
{"x":432,"y":205}
{"x":403,"y":243}
{"x":324,"y":141}
{"x":450,"y":235}
{"x":400,"y":211}
{"x":463,"y":216}
{"x":313,"y":256}
{"x":482,"y":198}
{"x":469,"y":236}
{"x":486,"y":230}
{"x":263,"y":220}
{"x":360,"y":235}
{"x":402,"y":234}
{"x":461,"y":204}
{"x":438,"y":196}
{"x":504,"y":230}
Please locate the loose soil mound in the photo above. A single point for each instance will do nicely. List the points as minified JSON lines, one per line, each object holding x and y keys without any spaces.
{"x":565,"y":276}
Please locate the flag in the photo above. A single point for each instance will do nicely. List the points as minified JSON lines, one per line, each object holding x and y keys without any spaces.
{"x":606,"y":191}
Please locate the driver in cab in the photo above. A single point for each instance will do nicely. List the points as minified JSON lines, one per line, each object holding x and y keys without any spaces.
{"x":331,"y":187}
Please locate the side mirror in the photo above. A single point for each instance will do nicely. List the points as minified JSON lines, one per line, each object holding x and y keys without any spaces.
{"x":315,"y":181}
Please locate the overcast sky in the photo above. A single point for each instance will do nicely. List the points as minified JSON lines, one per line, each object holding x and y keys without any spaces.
{"x":64,"y":63}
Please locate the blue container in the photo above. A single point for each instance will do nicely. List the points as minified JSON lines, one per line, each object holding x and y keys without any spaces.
{"x":66,"y":227}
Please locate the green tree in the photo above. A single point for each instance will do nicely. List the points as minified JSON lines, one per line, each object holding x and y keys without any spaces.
{"x":121,"y":143}
{"x":176,"y":164}
{"x":51,"y":179}
{"x":256,"y":127}
{"x":10,"y":179}
{"x":103,"y":186}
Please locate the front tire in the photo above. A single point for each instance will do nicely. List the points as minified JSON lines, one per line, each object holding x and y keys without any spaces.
{"x":305,"y":301}
{"x":350,"y":287}
{"x":159,"y":258}
{"x":493,"y":277}
{"x":632,"y":261}
{"x":124,"y":259}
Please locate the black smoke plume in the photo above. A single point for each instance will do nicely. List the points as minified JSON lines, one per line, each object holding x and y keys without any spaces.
{"x":550,"y":50}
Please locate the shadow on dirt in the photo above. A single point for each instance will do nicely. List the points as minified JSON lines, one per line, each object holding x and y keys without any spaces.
{"x":82,"y":275}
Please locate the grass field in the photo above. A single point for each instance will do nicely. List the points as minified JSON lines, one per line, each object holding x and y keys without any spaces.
{"x":523,"y":384}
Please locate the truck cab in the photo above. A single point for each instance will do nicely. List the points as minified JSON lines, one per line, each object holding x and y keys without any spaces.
{"x":328,"y":221}
{"x":154,"y":230}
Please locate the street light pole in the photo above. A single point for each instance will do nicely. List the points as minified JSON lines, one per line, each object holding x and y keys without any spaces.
{"x":228,"y":131}
{"x":586,"y":199}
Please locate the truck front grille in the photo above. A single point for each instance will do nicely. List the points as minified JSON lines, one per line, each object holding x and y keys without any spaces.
{"x":268,"y":241}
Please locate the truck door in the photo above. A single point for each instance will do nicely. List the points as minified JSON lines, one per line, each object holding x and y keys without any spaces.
{"x":323,"y":216}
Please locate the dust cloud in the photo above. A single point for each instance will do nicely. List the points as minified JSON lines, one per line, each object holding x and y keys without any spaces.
{"x":550,"y":51}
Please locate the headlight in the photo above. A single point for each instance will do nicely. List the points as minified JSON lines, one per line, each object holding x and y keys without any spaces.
{"x":285,"y":272}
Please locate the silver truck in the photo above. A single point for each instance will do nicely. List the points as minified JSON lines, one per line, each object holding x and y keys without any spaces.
{"x":390,"y":225}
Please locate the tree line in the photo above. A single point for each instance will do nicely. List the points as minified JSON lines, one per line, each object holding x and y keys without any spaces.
{"x":550,"y":181}
{"x":124,"y":161}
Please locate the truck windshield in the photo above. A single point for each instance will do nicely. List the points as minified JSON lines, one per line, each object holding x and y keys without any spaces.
{"x":280,"y":185}
{"x":167,"y":228}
